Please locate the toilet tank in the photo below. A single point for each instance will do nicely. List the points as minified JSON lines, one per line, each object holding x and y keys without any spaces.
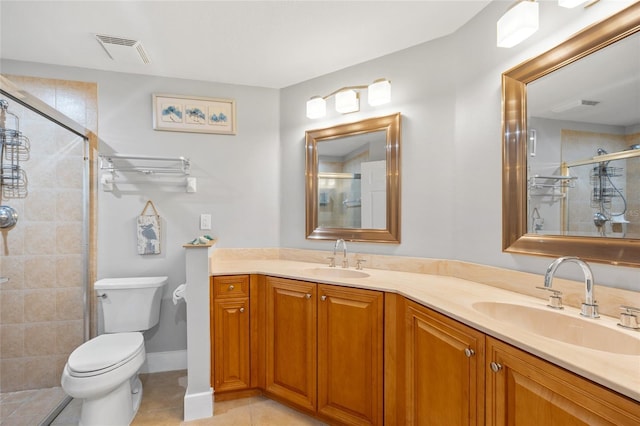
{"x":130,"y":304}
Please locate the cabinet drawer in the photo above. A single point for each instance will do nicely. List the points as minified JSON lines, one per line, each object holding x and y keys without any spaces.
{"x":230,"y":286}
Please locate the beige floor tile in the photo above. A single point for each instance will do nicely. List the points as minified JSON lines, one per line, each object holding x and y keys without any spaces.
{"x":22,"y":420}
{"x":239,"y":416}
{"x":162,"y":405}
{"x":168,"y":417}
{"x":272,"y":413}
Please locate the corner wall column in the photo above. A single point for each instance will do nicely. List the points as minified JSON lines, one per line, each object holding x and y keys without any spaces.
{"x":198,"y":399}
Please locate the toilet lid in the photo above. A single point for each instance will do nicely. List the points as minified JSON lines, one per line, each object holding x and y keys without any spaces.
{"x":105,"y":352}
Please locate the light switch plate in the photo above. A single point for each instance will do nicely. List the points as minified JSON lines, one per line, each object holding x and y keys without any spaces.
{"x":205,"y":221}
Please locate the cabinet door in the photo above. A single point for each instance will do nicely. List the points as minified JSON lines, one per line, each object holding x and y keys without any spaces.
{"x":444,"y":370}
{"x":231,"y":344}
{"x":524,"y":390}
{"x":291,"y":341}
{"x":350,"y":354}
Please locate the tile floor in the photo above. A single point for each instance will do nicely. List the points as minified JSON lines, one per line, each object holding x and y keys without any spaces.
{"x":28,"y":407}
{"x":162,"y":404}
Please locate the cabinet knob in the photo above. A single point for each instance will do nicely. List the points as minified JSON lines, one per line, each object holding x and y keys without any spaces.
{"x":469,"y":352}
{"x":323,"y":298}
{"x":241,"y":310}
{"x":495,"y":367}
{"x":231,"y":287}
{"x":308,"y":295}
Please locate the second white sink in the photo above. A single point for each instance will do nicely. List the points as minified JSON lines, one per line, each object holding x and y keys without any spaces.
{"x":587,"y":333}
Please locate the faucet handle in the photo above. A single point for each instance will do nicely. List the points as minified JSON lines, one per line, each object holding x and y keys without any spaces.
{"x":332,"y":261}
{"x":628,"y":318}
{"x":359,"y":263}
{"x":555,"y":300}
{"x":590,"y":310}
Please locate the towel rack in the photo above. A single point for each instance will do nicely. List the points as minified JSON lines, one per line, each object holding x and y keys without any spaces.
{"x":145,"y":164}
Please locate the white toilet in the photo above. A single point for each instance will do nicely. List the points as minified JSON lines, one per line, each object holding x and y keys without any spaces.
{"x":103,"y":371}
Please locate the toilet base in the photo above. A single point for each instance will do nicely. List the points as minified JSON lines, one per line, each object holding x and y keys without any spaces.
{"x":117,"y":408}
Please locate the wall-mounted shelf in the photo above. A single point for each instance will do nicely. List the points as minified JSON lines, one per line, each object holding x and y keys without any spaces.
{"x":148,"y":166}
{"x":555,"y":181}
{"x":552,"y":186}
{"x":145,"y":164}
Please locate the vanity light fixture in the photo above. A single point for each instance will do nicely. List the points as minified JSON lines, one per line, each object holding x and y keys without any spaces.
{"x":379,"y":92}
{"x":570,"y":3}
{"x":518,"y":23}
{"x":347,"y":99}
{"x":316,"y":107}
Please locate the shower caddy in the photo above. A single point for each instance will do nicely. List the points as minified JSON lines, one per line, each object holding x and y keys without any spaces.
{"x":14,"y":149}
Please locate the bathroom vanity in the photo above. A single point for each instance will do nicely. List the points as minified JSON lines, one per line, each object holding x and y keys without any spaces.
{"x":393,"y":347}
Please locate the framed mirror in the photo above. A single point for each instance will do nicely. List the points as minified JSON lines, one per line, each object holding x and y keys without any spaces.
{"x":592,"y":157}
{"x":353,"y":181}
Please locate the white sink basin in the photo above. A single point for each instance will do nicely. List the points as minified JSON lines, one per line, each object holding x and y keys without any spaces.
{"x":584,"y":332}
{"x":336,"y":273}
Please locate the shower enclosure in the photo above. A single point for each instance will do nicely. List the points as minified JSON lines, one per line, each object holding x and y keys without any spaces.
{"x":44,"y":244}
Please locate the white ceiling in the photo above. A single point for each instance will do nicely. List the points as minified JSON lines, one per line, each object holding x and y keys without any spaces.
{"x":259,"y":43}
{"x":610,"y":77}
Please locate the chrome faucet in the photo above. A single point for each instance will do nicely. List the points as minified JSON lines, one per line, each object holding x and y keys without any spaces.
{"x":589,"y":307}
{"x":345,"y":261}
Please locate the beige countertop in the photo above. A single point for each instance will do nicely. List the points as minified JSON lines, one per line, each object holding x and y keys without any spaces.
{"x":455,"y":297}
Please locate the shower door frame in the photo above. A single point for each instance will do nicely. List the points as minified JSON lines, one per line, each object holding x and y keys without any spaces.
{"x":11,"y":91}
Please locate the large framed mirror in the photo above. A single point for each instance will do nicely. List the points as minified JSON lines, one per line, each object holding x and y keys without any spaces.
{"x":353,"y":181}
{"x":571,"y":147}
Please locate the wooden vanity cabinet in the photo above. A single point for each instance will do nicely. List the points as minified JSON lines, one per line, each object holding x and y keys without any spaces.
{"x":350,"y":355}
{"x":291,"y":341}
{"x":231,"y":367}
{"x":320,"y":348}
{"x":444,"y":370}
{"x":324,"y":349}
{"x":524,"y":390}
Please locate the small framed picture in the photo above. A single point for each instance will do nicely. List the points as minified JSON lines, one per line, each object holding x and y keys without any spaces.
{"x":177,"y":113}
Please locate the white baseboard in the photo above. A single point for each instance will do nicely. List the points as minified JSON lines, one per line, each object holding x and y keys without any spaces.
{"x":157,"y":362}
{"x":198,"y":405}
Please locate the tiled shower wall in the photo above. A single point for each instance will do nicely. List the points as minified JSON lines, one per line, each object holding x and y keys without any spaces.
{"x":41,"y":307}
{"x":577,"y":145}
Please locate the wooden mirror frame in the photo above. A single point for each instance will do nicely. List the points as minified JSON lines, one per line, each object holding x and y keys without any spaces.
{"x":391,"y":125}
{"x":515,"y":239}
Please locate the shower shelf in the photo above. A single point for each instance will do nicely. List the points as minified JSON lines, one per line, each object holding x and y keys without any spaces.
{"x":14,"y":149}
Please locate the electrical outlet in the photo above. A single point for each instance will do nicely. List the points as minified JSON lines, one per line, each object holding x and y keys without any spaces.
{"x":205,"y":221}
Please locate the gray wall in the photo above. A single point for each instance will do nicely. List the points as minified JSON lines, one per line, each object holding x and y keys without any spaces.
{"x":448,"y":91}
{"x":237,"y":179}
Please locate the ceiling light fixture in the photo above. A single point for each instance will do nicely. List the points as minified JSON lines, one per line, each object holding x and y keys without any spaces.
{"x":518,"y":23}
{"x":347,"y":99}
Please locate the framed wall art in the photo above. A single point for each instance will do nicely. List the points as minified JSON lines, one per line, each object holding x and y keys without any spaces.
{"x":177,"y":113}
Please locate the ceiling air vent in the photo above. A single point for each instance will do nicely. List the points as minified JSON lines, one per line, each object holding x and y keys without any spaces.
{"x":123,"y":49}
{"x":574,"y":104}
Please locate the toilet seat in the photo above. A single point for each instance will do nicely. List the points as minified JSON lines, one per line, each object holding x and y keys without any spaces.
{"x":104,"y":353}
